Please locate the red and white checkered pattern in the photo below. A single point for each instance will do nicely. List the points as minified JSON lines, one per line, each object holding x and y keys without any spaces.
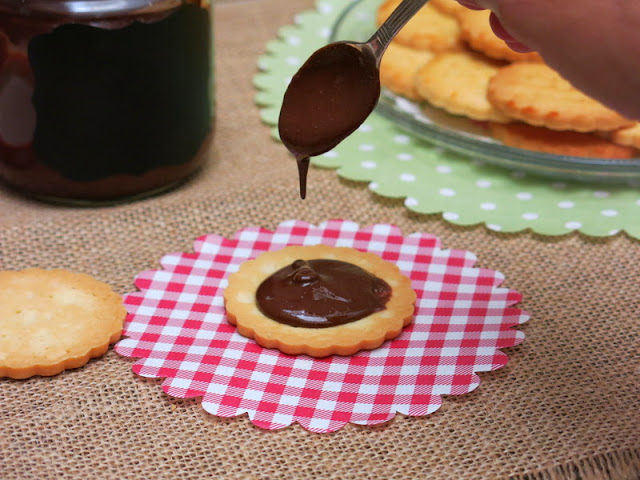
{"x":177,"y":328}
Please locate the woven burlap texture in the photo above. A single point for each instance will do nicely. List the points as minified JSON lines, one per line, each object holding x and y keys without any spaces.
{"x":566,"y":405}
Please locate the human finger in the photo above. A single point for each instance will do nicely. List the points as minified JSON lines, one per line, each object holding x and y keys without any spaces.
{"x":470,"y":4}
{"x":506,"y":37}
{"x":480,"y":4}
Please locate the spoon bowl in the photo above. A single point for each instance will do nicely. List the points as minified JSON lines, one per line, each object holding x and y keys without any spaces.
{"x":335,"y":90}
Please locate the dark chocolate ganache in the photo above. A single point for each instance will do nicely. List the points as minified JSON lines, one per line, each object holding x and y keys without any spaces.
{"x":328,"y":99}
{"x":321,"y":293}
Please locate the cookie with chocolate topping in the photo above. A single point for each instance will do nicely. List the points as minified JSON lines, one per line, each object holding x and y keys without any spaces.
{"x":319,"y":300}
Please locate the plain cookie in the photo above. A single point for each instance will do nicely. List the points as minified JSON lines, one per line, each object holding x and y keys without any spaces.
{"x":559,"y":142}
{"x":53,"y":320}
{"x":476,"y":31}
{"x":536,"y":94}
{"x":399,"y":66}
{"x":457,"y":82}
{"x":450,"y":7}
{"x":430,"y":29}
{"x":629,"y":136}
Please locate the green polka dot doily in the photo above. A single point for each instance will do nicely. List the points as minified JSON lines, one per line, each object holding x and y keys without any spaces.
{"x":433,"y":180}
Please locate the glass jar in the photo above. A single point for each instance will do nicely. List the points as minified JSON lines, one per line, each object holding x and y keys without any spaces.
{"x":104,"y":100}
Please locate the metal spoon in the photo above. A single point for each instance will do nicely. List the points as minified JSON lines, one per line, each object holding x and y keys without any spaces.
{"x":335,"y":91}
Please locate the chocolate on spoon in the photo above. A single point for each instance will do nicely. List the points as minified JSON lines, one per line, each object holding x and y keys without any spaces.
{"x":334,"y":91}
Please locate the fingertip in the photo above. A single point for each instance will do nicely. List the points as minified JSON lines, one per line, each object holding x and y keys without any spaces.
{"x":470,"y":4}
{"x":505,"y":36}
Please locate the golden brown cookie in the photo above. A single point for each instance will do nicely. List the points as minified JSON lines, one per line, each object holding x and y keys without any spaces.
{"x":534,"y":93}
{"x":457,"y":82}
{"x":52,"y":320}
{"x":429,"y":29}
{"x":450,"y":7}
{"x":297,"y":262}
{"x":476,"y":31}
{"x":558,"y":142}
{"x":399,"y":67}
{"x":629,"y":136}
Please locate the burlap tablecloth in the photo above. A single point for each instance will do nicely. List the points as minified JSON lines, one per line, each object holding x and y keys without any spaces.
{"x":566,"y":406}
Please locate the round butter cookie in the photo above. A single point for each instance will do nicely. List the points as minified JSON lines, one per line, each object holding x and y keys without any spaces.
{"x":53,"y":320}
{"x":457,"y":82}
{"x":534,"y":93}
{"x":558,"y":142}
{"x":429,"y":29}
{"x":399,"y":66}
{"x":450,"y":7}
{"x":319,"y":300}
{"x":476,"y":31}
{"x":629,"y":136}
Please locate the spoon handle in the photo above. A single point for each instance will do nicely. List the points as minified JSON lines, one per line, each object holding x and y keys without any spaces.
{"x":392,"y":25}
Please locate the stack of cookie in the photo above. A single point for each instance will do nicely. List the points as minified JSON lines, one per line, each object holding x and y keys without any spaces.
{"x":448,"y":56}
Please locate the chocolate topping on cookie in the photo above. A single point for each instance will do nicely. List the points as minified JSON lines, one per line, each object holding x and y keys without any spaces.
{"x":321,"y":293}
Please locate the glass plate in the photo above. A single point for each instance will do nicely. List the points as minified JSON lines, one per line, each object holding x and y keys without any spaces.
{"x":357,"y":23}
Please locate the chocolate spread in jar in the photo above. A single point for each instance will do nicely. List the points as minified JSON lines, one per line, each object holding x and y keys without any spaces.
{"x":328,"y":98}
{"x":104,"y":110}
{"x":321,"y":293}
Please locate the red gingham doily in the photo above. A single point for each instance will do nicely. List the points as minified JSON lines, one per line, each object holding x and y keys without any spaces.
{"x":177,"y":329}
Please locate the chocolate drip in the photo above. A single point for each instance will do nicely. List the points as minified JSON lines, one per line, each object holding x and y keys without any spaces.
{"x":303,"y":168}
{"x":321,"y":293}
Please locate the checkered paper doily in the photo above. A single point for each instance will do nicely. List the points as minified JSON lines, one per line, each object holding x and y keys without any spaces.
{"x":177,"y":330}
